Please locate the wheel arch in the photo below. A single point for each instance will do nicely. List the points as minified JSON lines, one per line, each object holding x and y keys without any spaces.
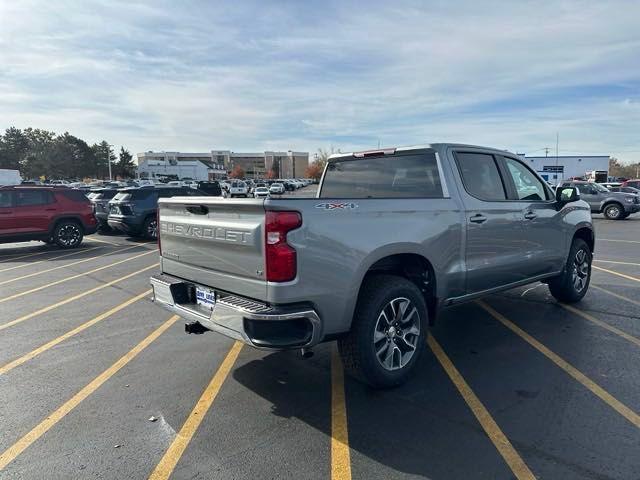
{"x":413,"y":266}
{"x":586,"y":234}
{"x":74,"y":218}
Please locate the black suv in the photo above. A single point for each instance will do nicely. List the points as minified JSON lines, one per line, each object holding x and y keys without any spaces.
{"x":210,"y":188}
{"x":133,"y":210}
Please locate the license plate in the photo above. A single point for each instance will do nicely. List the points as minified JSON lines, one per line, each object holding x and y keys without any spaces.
{"x":205,"y":297}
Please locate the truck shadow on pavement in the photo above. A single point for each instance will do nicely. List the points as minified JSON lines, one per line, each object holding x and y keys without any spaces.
{"x":421,"y":428}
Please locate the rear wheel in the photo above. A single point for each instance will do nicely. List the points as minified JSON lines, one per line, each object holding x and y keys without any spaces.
{"x":573,"y":283}
{"x":614,"y":211}
{"x":67,"y":234}
{"x":388,"y":332}
{"x":150,"y":228}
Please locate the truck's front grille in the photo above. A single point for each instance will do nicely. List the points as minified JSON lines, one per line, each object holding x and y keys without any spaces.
{"x":248,"y":305}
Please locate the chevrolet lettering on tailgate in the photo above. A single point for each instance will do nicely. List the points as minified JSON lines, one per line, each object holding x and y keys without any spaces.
{"x":207,"y":233}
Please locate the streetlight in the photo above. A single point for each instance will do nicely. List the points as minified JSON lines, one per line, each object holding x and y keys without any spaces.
{"x":109,"y":159}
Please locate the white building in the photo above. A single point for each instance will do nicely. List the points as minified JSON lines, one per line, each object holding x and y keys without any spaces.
{"x":218,"y":163}
{"x":555,"y":169}
{"x":196,"y":166}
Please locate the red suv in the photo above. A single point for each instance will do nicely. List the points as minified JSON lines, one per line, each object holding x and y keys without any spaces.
{"x":57,"y":215}
{"x":635,"y":183}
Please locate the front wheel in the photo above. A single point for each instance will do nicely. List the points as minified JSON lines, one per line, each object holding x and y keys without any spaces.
{"x":67,"y":234}
{"x":573,"y":283}
{"x":614,"y":211}
{"x":388,"y":332}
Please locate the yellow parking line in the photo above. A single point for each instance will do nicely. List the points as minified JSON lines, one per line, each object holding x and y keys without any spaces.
{"x":340,"y":452}
{"x":72,"y":277}
{"x":75,"y":252}
{"x":171,"y":457}
{"x":40,"y":272}
{"x":600,"y":323}
{"x":613,"y":294}
{"x":628,"y":277}
{"x":491,"y":428}
{"x":34,"y":353}
{"x":596,"y":389}
{"x":617,"y":262}
{"x":52,"y":419}
{"x":73,"y":297}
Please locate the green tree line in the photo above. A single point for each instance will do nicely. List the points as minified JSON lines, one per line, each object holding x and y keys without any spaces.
{"x":35,"y":153}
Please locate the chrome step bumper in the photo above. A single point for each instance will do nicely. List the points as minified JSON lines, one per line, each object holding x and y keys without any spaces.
{"x":254,"y":323}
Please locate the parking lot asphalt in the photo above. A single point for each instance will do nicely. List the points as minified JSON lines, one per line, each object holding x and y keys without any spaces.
{"x":97,"y":382}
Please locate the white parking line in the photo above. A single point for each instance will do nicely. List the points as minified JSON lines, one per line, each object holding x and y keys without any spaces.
{"x":616,"y":262}
{"x":615,"y":240}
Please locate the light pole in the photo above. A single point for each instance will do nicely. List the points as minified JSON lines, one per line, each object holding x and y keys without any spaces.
{"x":109,"y":159}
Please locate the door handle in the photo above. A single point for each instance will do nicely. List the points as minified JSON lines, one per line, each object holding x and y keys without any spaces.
{"x":478,"y":218}
{"x":530,"y":215}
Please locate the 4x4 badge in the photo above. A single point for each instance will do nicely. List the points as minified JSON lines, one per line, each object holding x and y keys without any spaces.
{"x":336,"y":206}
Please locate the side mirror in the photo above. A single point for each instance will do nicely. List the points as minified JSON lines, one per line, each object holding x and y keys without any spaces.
{"x":567,"y":195}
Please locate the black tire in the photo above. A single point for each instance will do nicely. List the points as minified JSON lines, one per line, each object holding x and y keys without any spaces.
{"x":566,"y":288}
{"x":613,"y":211}
{"x":67,"y":234}
{"x":360,"y":350}
{"x":150,"y":228}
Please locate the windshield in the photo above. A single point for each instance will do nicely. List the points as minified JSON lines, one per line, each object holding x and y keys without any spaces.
{"x":600,"y":188}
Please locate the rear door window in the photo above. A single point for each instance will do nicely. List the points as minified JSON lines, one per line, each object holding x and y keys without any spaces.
{"x":413,"y":175}
{"x":26,"y":198}
{"x":6,"y":199}
{"x":480,"y":176}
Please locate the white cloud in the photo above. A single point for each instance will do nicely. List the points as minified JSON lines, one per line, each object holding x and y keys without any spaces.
{"x":259,"y":75}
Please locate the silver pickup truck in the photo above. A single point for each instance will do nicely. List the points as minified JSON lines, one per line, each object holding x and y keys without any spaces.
{"x":391,"y":238}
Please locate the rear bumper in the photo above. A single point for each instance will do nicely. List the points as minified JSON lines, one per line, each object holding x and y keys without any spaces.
{"x":257,"y":324}
{"x":124,"y":224}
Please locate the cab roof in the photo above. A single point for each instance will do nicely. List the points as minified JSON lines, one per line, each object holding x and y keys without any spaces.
{"x":429,"y":146}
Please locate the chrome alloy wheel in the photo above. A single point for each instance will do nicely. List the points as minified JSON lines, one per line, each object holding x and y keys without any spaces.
{"x":152,"y":229}
{"x":396,"y":333}
{"x":580,"y":272}
{"x":613,"y":211}
{"x":69,"y":235}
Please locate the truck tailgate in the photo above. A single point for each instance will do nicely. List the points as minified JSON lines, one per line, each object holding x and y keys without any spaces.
{"x":216,"y":242}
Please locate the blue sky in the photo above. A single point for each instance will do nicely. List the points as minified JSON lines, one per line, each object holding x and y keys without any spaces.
{"x":245,"y":76}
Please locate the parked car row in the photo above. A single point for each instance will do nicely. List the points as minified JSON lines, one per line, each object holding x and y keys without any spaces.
{"x":614,"y":204}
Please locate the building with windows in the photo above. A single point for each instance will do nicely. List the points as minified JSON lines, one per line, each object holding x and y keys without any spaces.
{"x":220,"y":163}
{"x":195,"y":166}
{"x":555,"y":169}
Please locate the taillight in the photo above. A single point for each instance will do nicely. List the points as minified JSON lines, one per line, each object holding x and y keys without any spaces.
{"x":158,"y":231}
{"x":280,"y":257}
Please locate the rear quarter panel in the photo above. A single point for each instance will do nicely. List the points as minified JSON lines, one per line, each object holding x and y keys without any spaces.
{"x":336,"y":247}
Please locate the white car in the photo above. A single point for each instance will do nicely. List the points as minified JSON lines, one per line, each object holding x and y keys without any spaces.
{"x":276,"y":188}
{"x":261,"y":192}
{"x":237,"y":188}
{"x":190,"y":183}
